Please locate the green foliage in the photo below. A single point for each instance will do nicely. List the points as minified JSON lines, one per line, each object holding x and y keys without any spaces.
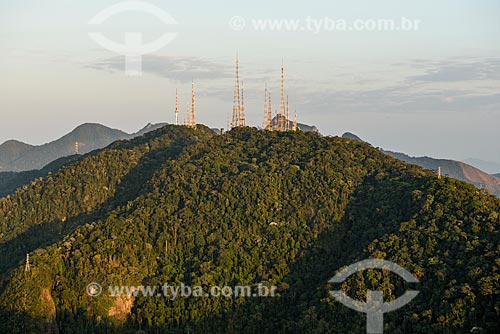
{"x":10,"y":181}
{"x":249,"y":206}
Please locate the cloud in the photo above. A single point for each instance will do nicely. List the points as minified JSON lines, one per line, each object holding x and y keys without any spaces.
{"x":452,"y":71}
{"x":450,"y":85}
{"x":399,"y":99}
{"x":182,"y":69}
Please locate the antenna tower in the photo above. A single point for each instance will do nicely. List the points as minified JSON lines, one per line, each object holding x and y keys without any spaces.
{"x":269,"y":113}
{"x":238,"y":107}
{"x":242,"y":108}
{"x":287,"y":124}
{"x":176,"y":107}
{"x":264,"y":121}
{"x":281,"y":113}
{"x":193,"y":107}
{"x":27,"y":267}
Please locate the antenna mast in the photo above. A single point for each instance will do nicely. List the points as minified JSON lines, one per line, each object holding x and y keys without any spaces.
{"x":287,"y":124}
{"x":27,"y":267}
{"x":176,"y":107}
{"x":238,"y":89}
{"x":269,"y":113}
{"x":282,"y":100}
{"x":265,"y":125}
{"x":242,"y":108}
{"x":238,"y":101}
{"x":193,"y":107}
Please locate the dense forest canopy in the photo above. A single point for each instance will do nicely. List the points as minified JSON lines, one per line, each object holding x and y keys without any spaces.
{"x":286,"y":208}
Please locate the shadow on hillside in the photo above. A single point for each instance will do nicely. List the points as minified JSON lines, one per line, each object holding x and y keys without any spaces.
{"x":377,"y":207}
{"x":13,"y":252}
{"x":17,"y":322}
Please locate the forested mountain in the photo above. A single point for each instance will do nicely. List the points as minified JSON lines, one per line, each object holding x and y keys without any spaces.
{"x":455,"y":169}
{"x":11,"y":150}
{"x":16,"y":156}
{"x":287,"y":208}
{"x":10,"y":181}
{"x":451,"y":168}
{"x":352,"y":136}
{"x":14,"y":153}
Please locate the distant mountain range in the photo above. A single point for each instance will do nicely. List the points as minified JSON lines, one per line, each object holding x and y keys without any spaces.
{"x":455,"y":169}
{"x":16,"y":156}
{"x":452,"y":168}
{"x":490,"y":167}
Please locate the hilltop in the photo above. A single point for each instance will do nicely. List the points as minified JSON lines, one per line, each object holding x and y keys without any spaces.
{"x":16,"y":156}
{"x":287,"y":208}
{"x":19,"y":156}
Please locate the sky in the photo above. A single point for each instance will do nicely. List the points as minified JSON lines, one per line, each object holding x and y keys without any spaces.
{"x":432,"y":90}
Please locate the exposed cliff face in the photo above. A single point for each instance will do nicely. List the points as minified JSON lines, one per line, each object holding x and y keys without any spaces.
{"x":122,"y":307}
{"x":50,"y":307}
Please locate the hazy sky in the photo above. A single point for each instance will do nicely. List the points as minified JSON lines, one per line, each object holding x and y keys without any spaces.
{"x":434,"y":91}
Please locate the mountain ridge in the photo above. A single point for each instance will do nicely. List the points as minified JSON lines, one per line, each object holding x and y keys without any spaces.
{"x":453,"y":168}
{"x":183,"y":205}
{"x":456,"y":169}
{"x":16,"y":156}
{"x":489,"y":167}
